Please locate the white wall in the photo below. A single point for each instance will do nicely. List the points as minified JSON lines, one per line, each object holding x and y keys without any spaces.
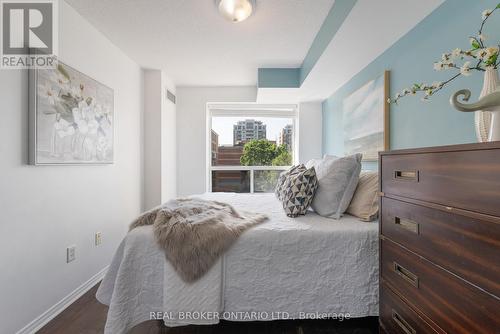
{"x":310,"y":131}
{"x":168,"y":143}
{"x":160,"y":183}
{"x":44,"y":209}
{"x":152,"y":136}
{"x":191,"y":136}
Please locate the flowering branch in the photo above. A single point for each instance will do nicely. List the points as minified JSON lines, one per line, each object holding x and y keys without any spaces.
{"x":486,"y":15}
{"x":486,"y":57}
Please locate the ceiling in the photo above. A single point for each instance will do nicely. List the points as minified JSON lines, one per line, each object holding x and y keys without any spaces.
{"x":196,"y":46}
{"x":366,"y":33}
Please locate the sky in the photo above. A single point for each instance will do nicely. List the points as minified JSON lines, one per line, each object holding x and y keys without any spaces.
{"x":224,"y":127}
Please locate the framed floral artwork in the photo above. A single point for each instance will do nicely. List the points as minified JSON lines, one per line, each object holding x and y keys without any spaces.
{"x":71,"y":118}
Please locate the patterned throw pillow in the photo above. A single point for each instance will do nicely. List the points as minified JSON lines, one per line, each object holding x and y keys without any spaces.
{"x":280,"y":185}
{"x":298,"y":192}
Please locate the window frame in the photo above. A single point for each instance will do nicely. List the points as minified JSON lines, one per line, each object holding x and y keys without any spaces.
{"x":248,"y":110}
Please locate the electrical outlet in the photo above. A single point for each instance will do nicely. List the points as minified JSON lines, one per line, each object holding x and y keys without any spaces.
{"x":70,"y":254}
{"x":97,"y":238}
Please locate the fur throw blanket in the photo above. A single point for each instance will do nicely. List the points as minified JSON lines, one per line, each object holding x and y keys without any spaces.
{"x":194,"y":233}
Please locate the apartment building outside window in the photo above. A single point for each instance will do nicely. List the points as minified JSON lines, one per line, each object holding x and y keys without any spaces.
{"x":249,"y":145}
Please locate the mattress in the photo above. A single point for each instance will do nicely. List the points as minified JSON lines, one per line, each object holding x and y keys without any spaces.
{"x":285,"y":268}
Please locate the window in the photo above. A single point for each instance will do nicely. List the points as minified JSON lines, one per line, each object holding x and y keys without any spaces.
{"x":249,"y":145}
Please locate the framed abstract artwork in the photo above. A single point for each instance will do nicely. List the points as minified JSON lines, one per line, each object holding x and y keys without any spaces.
{"x":71,"y":118}
{"x":366,"y":118}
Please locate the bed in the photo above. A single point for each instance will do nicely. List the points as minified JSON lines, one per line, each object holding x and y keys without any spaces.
{"x":285,"y":268}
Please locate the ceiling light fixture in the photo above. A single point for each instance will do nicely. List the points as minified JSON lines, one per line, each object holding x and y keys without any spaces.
{"x":236,"y":10}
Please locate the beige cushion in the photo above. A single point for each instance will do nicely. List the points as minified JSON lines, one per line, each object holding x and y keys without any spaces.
{"x":364,"y":203}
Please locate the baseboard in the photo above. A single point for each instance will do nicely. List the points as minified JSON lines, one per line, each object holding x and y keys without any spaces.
{"x":52,"y":312}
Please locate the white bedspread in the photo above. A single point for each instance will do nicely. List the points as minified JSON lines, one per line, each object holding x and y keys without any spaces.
{"x":283,"y":268}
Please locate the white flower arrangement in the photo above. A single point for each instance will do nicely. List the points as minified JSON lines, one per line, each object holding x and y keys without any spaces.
{"x":478,"y":58}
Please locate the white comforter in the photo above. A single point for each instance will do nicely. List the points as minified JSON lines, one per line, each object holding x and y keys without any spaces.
{"x":284,"y":268}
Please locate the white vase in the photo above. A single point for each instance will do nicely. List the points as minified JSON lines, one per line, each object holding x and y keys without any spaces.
{"x":488,"y":122}
{"x":494,"y":134}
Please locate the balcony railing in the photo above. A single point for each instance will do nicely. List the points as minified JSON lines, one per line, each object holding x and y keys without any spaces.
{"x":244,"y":179}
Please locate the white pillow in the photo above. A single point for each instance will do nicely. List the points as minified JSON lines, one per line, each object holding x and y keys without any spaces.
{"x":316,"y":162}
{"x":337,"y":179}
{"x":313,"y":163}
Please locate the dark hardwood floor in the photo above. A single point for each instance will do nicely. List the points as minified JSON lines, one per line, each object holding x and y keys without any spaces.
{"x":88,"y":316}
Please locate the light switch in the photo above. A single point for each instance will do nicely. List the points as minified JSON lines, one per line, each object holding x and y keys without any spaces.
{"x":97,"y":238}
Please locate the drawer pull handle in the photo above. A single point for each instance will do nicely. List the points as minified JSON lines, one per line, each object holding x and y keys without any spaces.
{"x":406,"y":175}
{"x":402,"y":323}
{"x":407,"y":224}
{"x":406,"y":274}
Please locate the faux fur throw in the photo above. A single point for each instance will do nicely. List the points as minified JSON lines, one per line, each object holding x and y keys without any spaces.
{"x":194,"y":233}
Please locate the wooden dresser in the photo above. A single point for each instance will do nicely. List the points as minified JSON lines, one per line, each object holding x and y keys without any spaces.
{"x":440,"y":240}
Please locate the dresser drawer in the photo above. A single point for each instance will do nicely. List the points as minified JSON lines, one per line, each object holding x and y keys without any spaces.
{"x":451,"y":303}
{"x":451,"y":241}
{"x":464,"y":179}
{"x":397,"y":317}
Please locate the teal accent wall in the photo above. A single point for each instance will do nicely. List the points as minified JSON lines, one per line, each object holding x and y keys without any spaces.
{"x":415,"y":123}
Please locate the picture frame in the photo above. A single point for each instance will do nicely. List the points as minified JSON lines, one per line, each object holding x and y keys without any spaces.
{"x":71,"y":118}
{"x":366,"y":118}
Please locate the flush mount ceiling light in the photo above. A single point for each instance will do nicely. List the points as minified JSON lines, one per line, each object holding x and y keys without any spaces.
{"x":236,"y":10}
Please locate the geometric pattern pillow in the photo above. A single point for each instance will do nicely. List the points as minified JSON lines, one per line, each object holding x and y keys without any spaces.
{"x":280,"y":185}
{"x":298,"y":191}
